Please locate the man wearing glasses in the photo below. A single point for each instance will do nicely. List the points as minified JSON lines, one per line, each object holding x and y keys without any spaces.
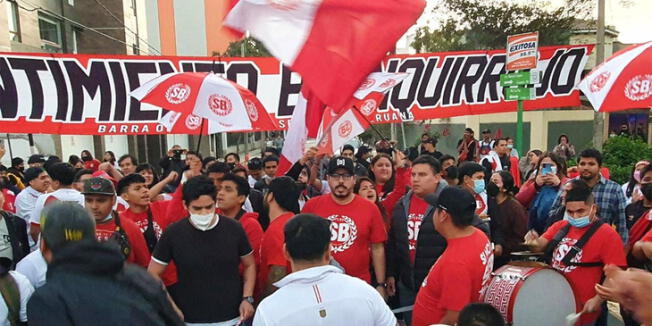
{"x":356,"y":225}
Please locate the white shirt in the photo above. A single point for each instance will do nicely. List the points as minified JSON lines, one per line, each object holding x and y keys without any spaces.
{"x":26,"y":290}
{"x":33,"y":267}
{"x":25,"y":202}
{"x":323,"y":296}
{"x":252,"y":181}
{"x":71,"y":195}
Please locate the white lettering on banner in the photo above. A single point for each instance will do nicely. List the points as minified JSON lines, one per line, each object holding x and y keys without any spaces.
{"x":487,"y":258}
{"x":75,"y":94}
{"x":343,"y":233}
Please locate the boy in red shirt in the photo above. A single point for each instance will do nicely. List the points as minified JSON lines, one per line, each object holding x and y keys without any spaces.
{"x":231,"y":195}
{"x":604,"y":247}
{"x":149,"y":216}
{"x":282,"y":200}
{"x":357,"y":227}
{"x":99,"y":197}
{"x":462,"y":272}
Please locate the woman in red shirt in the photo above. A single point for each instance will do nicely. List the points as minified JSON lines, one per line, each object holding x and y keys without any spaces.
{"x":90,"y":162}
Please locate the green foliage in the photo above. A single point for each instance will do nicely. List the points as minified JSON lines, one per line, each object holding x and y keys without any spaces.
{"x":252,"y":48}
{"x":485,"y":24}
{"x":620,"y":155}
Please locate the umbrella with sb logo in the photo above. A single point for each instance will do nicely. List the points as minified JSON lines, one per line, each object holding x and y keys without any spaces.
{"x":622,"y":82}
{"x":193,"y":96}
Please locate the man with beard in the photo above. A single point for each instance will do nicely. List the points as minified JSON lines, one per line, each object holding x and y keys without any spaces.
{"x":357,"y":226}
{"x":608,"y":195}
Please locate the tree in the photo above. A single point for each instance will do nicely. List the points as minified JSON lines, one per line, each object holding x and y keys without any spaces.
{"x":248,"y":47}
{"x":485,"y":24}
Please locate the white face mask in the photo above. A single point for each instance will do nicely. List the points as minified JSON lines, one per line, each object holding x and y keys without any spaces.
{"x":203,"y":221}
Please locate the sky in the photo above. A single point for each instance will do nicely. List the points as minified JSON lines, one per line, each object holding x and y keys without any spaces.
{"x":632,"y":18}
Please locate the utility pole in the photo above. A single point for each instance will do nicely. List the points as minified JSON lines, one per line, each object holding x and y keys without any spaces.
{"x":598,"y":117}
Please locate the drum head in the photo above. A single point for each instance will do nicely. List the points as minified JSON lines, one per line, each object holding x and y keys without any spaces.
{"x":544,"y":299}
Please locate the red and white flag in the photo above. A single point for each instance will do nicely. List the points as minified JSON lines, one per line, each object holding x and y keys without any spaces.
{"x":295,"y":139}
{"x":332,"y":44}
{"x":623,"y":82}
{"x":338,"y":129}
{"x":380,"y":82}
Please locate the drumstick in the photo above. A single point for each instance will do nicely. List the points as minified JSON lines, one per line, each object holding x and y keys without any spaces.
{"x":572,"y":319}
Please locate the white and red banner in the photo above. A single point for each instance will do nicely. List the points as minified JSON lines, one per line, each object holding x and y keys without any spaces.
{"x":338,"y":129}
{"x":89,"y":94}
{"x":623,"y":82}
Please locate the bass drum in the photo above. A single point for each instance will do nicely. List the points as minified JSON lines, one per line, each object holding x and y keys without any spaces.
{"x":531,"y":296}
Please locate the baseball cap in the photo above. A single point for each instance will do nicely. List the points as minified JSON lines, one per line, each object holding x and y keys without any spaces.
{"x":32,"y":173}
{"x":486,"y":131}
{"x":36,"y":158}
{"x":363,"y":149}
{"x":66,"y":222}
{"x":340,"y":162}
{"x":430,"y":140}
{"x":456,"y":201}
{"x":98,"y":186}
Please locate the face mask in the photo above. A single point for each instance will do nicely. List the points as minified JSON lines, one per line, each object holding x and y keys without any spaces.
{"x":579,"y":222}
{"x":478,"y":186}
{"x":637,"y":176}
{"x":21,"y":169}
{"x":202,"y":222}
{"x":646,"y":190}
{"x":86,"y":158}
{"x":492,"y":189}
{"x":510,"y":146}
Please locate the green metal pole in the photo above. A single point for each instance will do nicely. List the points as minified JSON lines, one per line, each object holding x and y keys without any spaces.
{"x":519,"y":128}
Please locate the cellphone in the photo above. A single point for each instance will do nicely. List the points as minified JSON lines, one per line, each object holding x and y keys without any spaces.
{"x":546,"y":168}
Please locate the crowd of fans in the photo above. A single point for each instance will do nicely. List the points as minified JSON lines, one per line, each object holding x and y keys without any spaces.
{"x":338,"y":240}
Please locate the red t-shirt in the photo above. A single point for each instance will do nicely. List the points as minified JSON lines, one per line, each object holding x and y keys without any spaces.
{"x":605,"y":246}
{"x":159,"y":218}
{"x":254,"y":231}
{"x":416,"y":212}
{"x":160,"y":223}
{"x":459,"y":277}
{"x":271,"y":249}
{"x":647,"y":237}
{"x":10,"y":201}
{"x":139,"y":254}
{"x":354,"y":227}
{"x":92,"y":165}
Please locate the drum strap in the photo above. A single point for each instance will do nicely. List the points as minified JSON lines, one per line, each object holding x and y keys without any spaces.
{"x":579,"y":245}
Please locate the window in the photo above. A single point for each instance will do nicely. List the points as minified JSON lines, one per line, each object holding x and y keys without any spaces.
{"x":14,"y":23}
{"x":50,"y":29}
{"x":75,"y":40}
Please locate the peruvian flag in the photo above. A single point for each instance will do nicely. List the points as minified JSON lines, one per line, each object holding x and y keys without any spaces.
{"x":305,"y":122}
{"x":623,"y":82}
{"x":332,"y":44}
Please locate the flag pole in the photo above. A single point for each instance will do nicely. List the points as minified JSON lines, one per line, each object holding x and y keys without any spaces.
{"x":369,"y":122}
{"x":201,"y":133}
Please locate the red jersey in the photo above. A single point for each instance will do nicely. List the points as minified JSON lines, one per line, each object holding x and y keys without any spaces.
{"x":355,"y":226}
{"x":92,"y":165}
{"x":647,"y":237}
{"x":10,"y":201}
{"x":605,"y":246}
{"x":459,"y":277}
{"x":159,"y":218}
{"x":139,"y":254}
{"x":160,"y":223}
{"x":254,"y":231}
{"x":416,"y":212}
{"x":271,"y":249}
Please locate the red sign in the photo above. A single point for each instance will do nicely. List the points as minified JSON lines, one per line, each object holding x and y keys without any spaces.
{"x":522,"y":51}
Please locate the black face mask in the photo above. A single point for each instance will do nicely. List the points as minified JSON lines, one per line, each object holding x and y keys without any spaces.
{"x":646,"y":190}
{"x":21,"y":169}
{"x":86,"y":158}
{"x":492,"y":189}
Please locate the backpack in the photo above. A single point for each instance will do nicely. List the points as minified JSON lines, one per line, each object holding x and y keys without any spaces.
{"x":119,"y":238}
{"x":150,"y":233}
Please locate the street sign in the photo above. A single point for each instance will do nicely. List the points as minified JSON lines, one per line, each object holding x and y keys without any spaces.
{"x":522,"y":51}
{"x":518,"y":93}
{"x":520,"y":78}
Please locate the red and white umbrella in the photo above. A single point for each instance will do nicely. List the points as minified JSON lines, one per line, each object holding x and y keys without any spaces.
{"x":225,"y":104}
{"x":622,"y":82}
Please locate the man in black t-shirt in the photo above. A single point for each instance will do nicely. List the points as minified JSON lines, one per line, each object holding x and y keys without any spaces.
{"x":207,"y":251}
